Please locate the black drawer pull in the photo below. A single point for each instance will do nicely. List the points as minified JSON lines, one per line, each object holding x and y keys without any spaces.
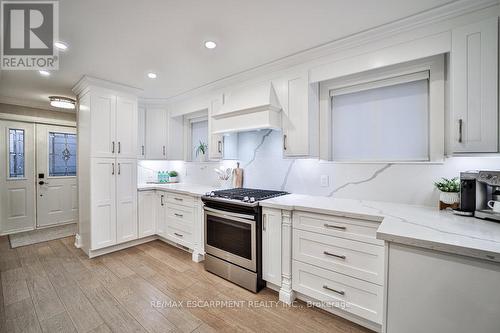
{"x":179,"y":235}
{"x":334,"y":255}
{"x":334,"y":226}
{"x":340,"y":292}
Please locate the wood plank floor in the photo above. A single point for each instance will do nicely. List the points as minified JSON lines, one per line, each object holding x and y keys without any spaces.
{"x":54,"y":287}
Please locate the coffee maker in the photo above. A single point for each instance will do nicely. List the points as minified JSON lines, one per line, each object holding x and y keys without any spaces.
{"x":489,"y":191}
{"x":469,"y":191}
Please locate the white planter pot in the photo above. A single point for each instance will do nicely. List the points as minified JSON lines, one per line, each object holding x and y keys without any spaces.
{"x":449,"y":197}
{"x":202,"y":157}
{"x":173,"y":179}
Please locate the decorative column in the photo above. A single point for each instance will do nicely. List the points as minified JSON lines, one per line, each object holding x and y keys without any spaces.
{"x":287,"y":295}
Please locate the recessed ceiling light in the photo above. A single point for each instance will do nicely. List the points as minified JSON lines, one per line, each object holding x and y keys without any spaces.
{"x":62,"y":102}
{"x":210,"y":44}
{"x":61,"y":46}
{"x":152,"y":75}
{"x":44,"y":73}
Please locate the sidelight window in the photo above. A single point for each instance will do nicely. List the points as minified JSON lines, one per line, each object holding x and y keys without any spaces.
{"x":16,"y":153}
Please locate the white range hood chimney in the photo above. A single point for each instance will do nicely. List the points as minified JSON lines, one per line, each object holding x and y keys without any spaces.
{"x":250,"y":108}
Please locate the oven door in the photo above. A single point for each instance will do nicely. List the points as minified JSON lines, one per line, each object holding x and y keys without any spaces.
{"x":231,"y":237}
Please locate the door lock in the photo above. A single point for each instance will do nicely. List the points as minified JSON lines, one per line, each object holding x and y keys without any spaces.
{"x":41,"y":182}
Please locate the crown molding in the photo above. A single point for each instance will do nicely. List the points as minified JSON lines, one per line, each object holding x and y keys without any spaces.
{"x":445,"y":12}
{"x":87,"y":81}
{"x":32,"y":104}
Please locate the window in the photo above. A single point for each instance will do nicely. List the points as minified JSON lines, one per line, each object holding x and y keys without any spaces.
{"x":199,"y":133}
{"x":391,"y":114}
{"x":62,"y":154}
{"x":16,"y":153}
{"x":388,"y":123}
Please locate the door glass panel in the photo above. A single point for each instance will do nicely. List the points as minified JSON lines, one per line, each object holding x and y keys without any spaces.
{"x":62,"y":154}
{"x":16,"y":153}
{"x":230,"y":236}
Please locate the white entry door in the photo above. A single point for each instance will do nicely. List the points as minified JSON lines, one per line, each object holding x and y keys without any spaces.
{"x":57,"y":194}
{"x":17,"y":177}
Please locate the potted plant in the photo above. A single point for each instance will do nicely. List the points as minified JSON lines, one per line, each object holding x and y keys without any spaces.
{"x":449,"y":190}
{"x":173,"y":176}
{"x":201,"y":151}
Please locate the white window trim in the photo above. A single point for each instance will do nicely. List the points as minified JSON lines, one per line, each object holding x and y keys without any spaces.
{"x":385,"y":76}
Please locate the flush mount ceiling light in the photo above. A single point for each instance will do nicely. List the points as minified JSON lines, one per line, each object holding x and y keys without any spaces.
{"x":44,"y":73}
{"x":152,"y":75}
{"x":61,"y":46}
{"x":210,"y":44}
{"x":62,"y":102}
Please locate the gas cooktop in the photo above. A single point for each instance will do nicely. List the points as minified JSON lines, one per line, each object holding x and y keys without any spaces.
{"x":245,"y":195}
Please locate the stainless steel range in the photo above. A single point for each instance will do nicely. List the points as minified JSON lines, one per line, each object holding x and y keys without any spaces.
{"x":233,"y":235}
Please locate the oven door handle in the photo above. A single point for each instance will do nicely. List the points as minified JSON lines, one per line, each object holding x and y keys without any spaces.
{"x":223,"y":213}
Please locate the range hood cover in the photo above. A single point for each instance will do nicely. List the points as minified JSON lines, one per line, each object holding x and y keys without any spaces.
{"x":250,"y":108}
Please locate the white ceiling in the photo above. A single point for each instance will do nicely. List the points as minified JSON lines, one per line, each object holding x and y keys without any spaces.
{"x":122,"y":40}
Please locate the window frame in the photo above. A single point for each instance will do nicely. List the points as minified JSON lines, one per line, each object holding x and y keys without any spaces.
{"x":48,"y":155}
{"x":373,"y":78}
{"x":9,"y":177}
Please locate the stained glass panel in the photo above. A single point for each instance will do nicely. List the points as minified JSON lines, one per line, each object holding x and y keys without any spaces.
{"x":16,"y":153}
{"x":62,"y":154}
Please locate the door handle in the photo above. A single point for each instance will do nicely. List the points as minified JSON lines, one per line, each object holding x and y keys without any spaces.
{"x":113,"y":147}
{"x":284,"y":142}
{"x":112,"y":168}
{"x":161,"y":200}
{"x":264,"y":218}
{"x":219,"y":146}
{"x":119,"y":147}
{"x":142,"y":148}
{"x":41,"y":182}
{"x":163,"y":150}
{"x":460,"y":128}
{"x":119,"y":168}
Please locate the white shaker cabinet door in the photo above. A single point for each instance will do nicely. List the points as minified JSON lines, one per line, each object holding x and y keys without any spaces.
{"x":161,"y":214}
{"x":126,"y":200}
{"x":156,"y":134}
{"x":103,"y":199}
{"x":103,"y":129}
{"x":271,"y":245}
{"x":126,"y":127}
{"x":474,"y":89}
{"x":147,"y":213}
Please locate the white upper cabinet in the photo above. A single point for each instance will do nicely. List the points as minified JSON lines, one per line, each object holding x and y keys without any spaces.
{"x":126,"y":127}
{"x":216,"y":144}
{"x":141,"y":132}
{"x":156,"y":133}
{"x":300,"y":115}
{"x":474,"y":89}
{"x":103,"y":120}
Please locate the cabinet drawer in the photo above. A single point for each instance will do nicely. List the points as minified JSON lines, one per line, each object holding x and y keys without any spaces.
{"x":361,"y":298}
{"x":180,"y":199}
{"x":357,"y":259}
{"x":177,"y":235}
{"x":180,"y":224}
{"x":344,"y":227}
{"x":181,"y":213}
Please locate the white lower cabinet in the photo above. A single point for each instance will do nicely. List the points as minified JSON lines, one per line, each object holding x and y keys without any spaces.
{"x":271,"y":245}
{"x":113,"y":201}
{"x":147,"y":213}
{"x":339,"y":262}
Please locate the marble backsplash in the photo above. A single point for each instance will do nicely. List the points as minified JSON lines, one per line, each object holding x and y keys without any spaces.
{"x":261,"y":158}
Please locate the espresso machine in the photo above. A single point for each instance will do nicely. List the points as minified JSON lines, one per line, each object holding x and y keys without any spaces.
{"x":479,"y":190}
{"x":488,"y":183}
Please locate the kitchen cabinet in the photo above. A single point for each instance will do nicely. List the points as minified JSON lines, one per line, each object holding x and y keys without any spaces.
{"x":126,"y":200}
{"x":161,"y":214}
{"x":107,"y":164}
{"x":300,"y":116}
{"x":156,"y":133}
{"x":271,"y":245}
{"x":103,"y":203}
{"x":114,"y":125}
{"x":474,"y":87}
{"x":147,"y":207}
{"x":216,"y":144}
{"x":141,"y":132}
{"x":451,"y":293}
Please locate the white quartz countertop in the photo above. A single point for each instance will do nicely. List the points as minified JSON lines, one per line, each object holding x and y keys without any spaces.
{"x":419,"y":226}
{"x":182,"y":188}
